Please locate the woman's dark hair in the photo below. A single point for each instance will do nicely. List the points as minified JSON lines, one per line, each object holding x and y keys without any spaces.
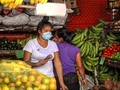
{"x":65,"y":34}
{"x":43,"y":23}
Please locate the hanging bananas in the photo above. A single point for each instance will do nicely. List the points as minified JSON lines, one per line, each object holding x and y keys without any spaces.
{"x":11,"y":3}
{"x":15,"y":3}
{"x":38,"y":1}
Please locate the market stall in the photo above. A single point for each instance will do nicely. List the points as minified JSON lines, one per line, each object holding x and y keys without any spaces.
{"x":99,"y":43}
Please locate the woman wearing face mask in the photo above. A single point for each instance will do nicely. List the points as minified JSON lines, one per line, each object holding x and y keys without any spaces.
{"x":69,"y":55}
{"x":36,"y":50}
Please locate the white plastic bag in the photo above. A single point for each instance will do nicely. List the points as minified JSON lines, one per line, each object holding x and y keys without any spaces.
{"x":90,"y":83}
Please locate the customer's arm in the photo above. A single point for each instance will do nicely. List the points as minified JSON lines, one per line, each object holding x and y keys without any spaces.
{"x":80,"y":66}
{"x":27,"y":57}
{"x":58,"y":67}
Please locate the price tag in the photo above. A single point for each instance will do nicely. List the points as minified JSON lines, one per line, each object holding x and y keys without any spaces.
{"x":102,"y":60}
{"x":19,"y":54}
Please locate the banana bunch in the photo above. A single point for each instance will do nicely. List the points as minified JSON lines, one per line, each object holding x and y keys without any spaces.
{"x":111,"y":38}
{"x":97,"y":30}
{"x":11,"y":3}
{"x":90,"y":45}
{"x":110,"y":74}
{"x":38,"y":1}
{"x":6,"y":1}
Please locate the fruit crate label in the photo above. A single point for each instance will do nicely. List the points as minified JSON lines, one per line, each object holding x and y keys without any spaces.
{"x":102,"y":60}
{"x":19,"y":53}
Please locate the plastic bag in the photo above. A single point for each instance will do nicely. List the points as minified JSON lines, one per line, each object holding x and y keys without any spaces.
{"x":21,"y":19}
{"x":90,"y":82}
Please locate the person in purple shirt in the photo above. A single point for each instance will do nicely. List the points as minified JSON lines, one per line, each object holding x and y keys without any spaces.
{"x":69,"y":55}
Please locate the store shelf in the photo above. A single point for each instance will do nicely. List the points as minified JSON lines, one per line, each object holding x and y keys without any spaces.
{"x":7,"y":52}
{"x":26,"y":29}
{"x":112,"y":27}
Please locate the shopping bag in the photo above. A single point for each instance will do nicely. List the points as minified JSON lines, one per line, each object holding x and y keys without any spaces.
{"x":90,"y":83}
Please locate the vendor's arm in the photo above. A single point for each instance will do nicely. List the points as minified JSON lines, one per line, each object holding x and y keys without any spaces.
{"x":80,"y":67}
{"x":58,"y":67}
{"x":27,"y":57}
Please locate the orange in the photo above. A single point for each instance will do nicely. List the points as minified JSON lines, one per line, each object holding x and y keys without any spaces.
{"x":6,"y":80}
{"x":2,"y":74}
{"x":52,"y":86}
{"x":24,"y":78}
{"x":12,"y":88}
{"x":45,"y":80}
{"x":18,"y":83}
{"x":37,"y":83}
{"x":22,"y":87}
{"x":44,"y":87}
{"x":52,"y":80}
{"x":35,"y":88}
{"x":29,"y":88}
{"x":13,"y":78}
{"x":19,"y":76}
{"x":5,"y":87}
{"x":11,"y":84}
{"x":34,"y":72}
{"x":31,"y":78}
{"x":1,"y":80}
{"x":27,"y":84}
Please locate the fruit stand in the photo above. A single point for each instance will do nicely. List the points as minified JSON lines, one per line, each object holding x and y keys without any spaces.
{"x":99,"y":44}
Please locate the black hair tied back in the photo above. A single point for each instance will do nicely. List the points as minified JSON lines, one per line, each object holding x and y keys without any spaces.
{"x":45,"y":19}
{"x":44,"y":22}
{"x":65,"y":34}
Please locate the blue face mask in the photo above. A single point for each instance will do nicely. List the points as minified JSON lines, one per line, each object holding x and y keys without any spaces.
{"x":47,"y":35}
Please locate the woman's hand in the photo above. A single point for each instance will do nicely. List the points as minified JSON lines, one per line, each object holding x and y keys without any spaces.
{"x":63,"y":87}
{"x":42,"y":62}
{"x":84,"y":82}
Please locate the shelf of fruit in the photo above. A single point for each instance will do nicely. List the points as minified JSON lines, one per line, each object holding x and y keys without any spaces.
{"x":113,"y":4}
{"x":7,"y":52}
{"x":111,"y":56}
{"x":112,"y":27}
{"x":9,"y":47}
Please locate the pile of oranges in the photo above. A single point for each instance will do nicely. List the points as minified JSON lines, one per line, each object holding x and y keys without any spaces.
{"x":26,"y":80}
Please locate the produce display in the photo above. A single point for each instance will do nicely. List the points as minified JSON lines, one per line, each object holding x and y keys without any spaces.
{"x":6,"y":44}
{"x":92,"y":43}
{"x":17,"y":75}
